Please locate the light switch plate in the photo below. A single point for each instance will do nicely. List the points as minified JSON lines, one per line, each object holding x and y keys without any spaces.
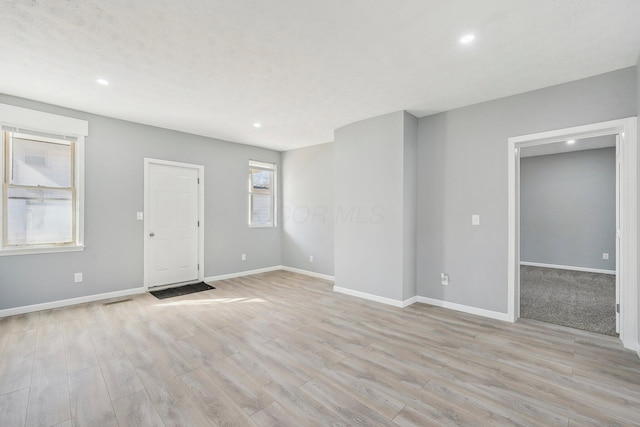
{"x":140,"y":216}
{"x":475,"y":219}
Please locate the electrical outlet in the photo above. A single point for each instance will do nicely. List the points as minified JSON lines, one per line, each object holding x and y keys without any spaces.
{"x":444,"y":279}
{"x":244,"y":257}
{"x":77,"y":277}
{"x":475,"y":219}
{"x":140,"y":216}
{"x":605,"y":255}
{"x":310,"y":258}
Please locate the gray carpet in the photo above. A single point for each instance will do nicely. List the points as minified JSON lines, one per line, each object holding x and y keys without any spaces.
{"x":569,"y":298}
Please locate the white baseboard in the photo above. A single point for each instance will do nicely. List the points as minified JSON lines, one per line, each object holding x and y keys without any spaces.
{"x":634,"y":345}
{"x":127,"y":292}
{"x":242,"y":273}
{"x":346,"y":291}
{"x":568,"y":267}
{"x":408,"y":302}
{"x":308,"y":273}
{"x":465,"y":308}
{"x":267,"y":269}
{"x":376,"y":298}
{"x":67,"y":302}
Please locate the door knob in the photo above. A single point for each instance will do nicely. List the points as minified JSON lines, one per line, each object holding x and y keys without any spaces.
{"x":152,"y":234}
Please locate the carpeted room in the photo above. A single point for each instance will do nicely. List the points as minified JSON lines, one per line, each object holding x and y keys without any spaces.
{"x":568,"y":234}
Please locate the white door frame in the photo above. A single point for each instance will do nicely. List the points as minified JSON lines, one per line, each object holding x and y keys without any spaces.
{"x":147,"y":207}
{"x":628,"y":211}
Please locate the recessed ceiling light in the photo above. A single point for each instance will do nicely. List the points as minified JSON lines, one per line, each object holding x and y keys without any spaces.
{"x":468,"y":38}
{"x":571,"y":141}
{"x":257,"y":125}
{"x":102,"y":82}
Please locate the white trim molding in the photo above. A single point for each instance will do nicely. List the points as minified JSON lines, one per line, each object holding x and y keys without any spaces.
{"x":242,"y":273}
{"x":42,"y":250}
{"x":465,"y":308}
{"x":375,"y":298}
{"x":68,"y":302}
{"x":568,"y":267}
{"x":308,"y":273}
{"x":26,"y":120}
{"x":147,"y":208}
{"x":266,"y":270}
{"x":18,"y":117}
{"x":627,"y":149}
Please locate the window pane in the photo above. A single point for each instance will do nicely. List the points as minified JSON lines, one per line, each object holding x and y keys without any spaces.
{"x":261,"y":209}
{"x":261,"y":181}
{"x":39,"y":216}
{"x":37,"y":163}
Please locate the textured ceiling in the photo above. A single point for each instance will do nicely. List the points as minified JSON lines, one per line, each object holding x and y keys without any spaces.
{"x":302,"y":68}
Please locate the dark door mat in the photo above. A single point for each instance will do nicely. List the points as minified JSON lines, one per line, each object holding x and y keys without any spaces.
{"x":181,"y":290}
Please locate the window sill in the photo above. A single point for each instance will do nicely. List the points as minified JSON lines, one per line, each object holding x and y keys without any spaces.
{"x":40,"y":250}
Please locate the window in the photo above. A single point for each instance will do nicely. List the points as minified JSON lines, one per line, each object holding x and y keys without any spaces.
{"x":42,"y":176}
{"x":262,"y":194}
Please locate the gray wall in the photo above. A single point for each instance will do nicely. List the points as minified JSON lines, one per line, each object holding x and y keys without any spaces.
{"x":375,"y":185}
{"x":461,"y":170}
{"x":308,"y":214}
{"x":368,"y":201}
{"x":113,"y":258}
{"x":410,"y":194}
{"x":568,"y":209}
{"x":462,"y":158}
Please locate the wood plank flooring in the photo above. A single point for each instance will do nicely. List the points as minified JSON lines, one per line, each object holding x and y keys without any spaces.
{"x":281,"y":349}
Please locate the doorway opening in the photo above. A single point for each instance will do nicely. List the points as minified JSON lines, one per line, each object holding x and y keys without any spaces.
{"x":173,"y":223}
{"x":625,"y":132}
{"x":568,"y":222}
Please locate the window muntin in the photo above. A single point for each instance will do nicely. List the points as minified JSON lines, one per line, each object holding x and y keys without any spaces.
{"x":39,"y":191}
{"x":262,"y":194}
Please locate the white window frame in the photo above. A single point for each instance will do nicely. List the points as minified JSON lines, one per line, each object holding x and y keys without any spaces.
{"x":24,"y":120}
{"x":264,"y":166}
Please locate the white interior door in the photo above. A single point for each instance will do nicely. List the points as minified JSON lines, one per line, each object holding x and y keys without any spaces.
{"x":172,"y":224}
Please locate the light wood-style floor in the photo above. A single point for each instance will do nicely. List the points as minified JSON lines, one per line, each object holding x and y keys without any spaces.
{"x":281,"y":349}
